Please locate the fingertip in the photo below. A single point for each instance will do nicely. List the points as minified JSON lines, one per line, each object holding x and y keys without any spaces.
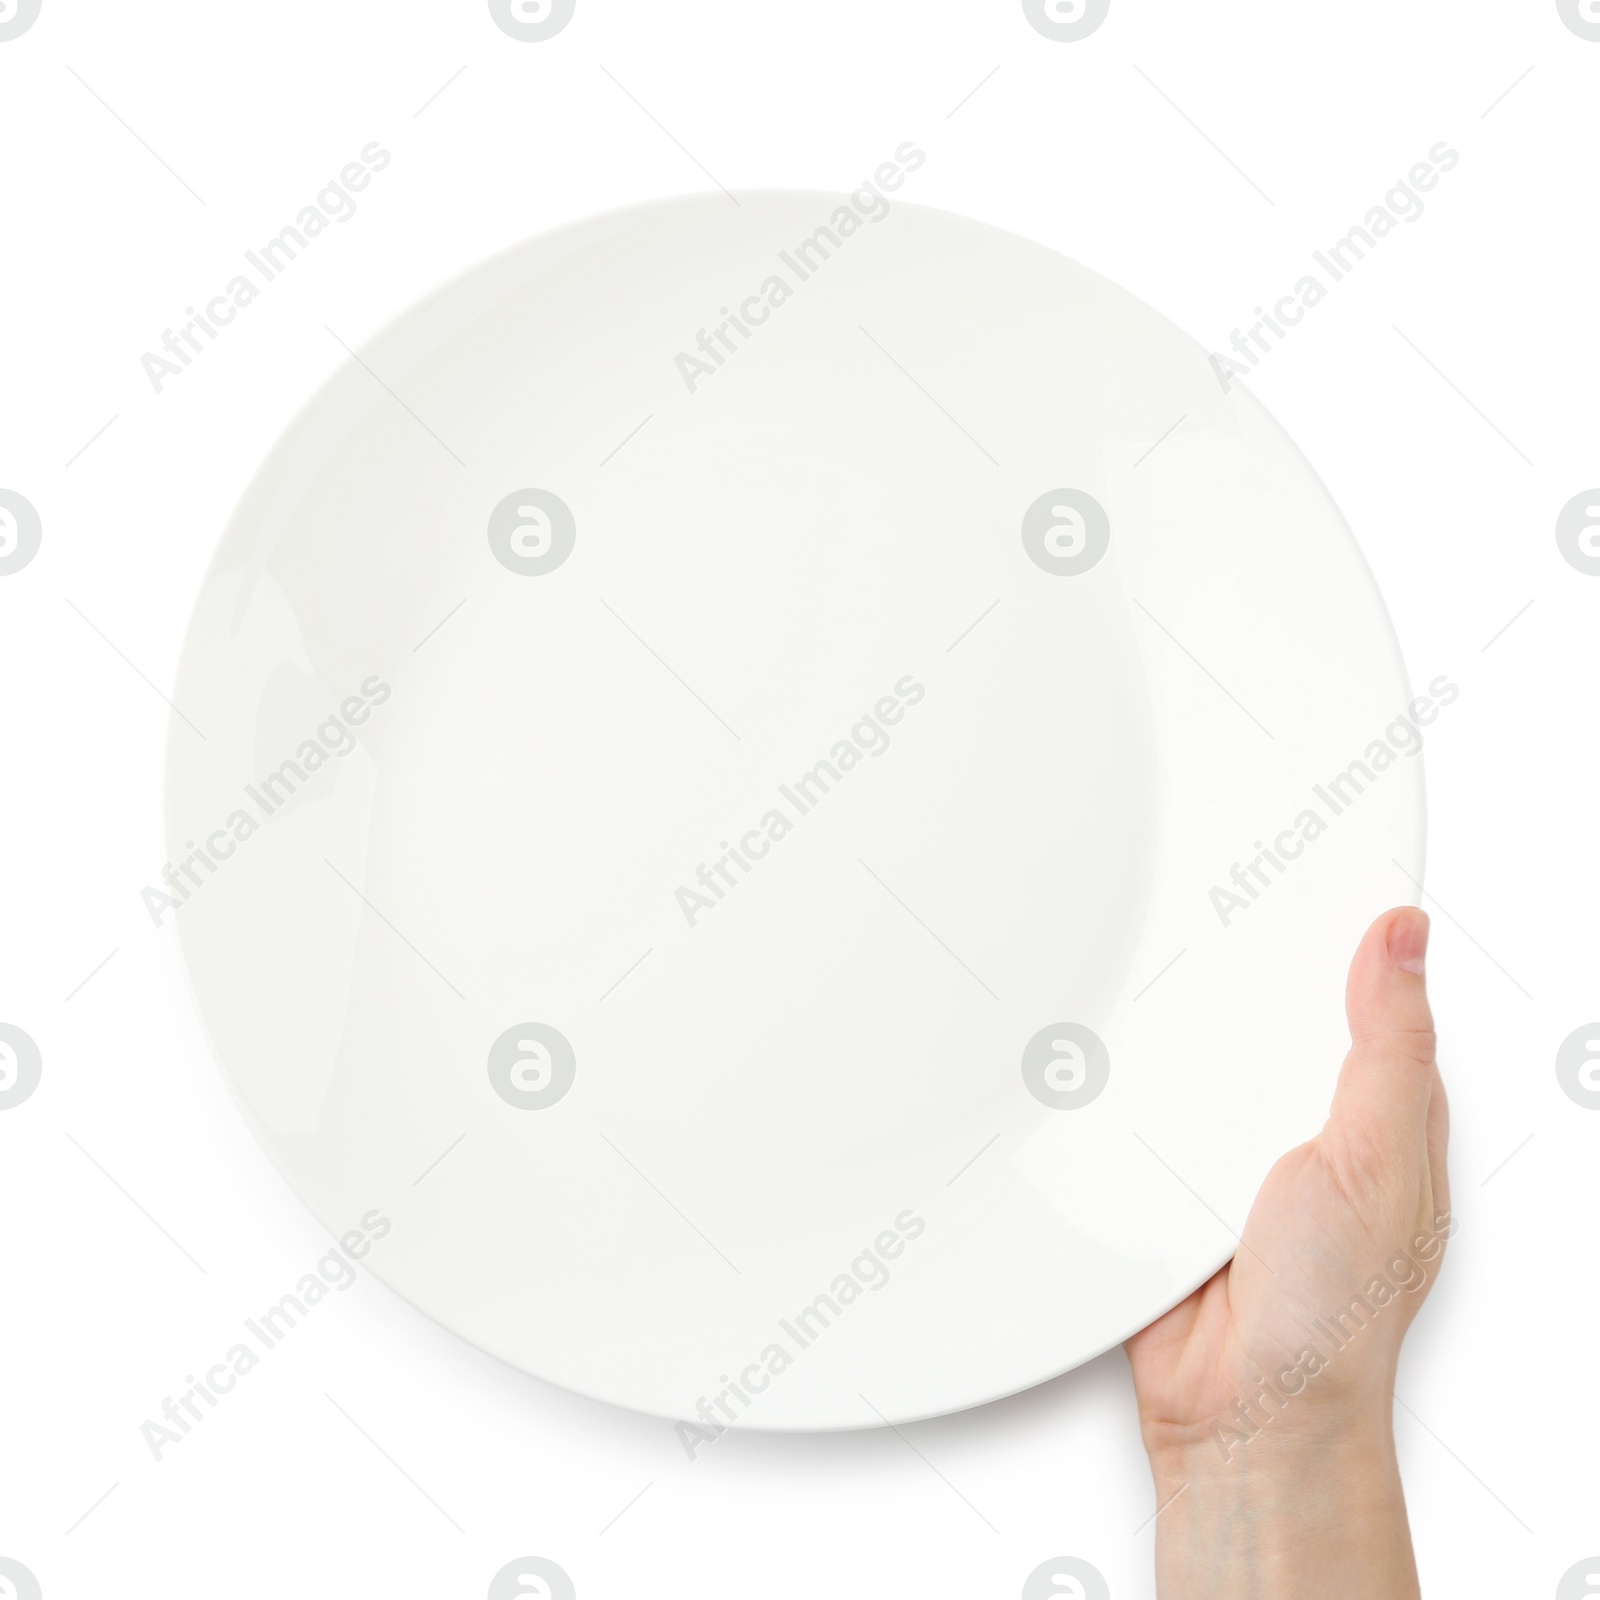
{"x":1390,"y":1069}
{"x":1386,"y":992}
{"x":1407,"y":939}
{"x":1395,"y":942}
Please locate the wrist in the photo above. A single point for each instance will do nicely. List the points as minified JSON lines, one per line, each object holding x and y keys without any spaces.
{"x":1307,"y":1511}
{"x":1268,"y":1435}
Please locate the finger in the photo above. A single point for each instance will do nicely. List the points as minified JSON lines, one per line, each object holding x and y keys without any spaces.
{"x":1387,"y":1079}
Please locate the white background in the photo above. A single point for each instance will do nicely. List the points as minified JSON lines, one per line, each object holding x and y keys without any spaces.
{"x":1445,"y":391}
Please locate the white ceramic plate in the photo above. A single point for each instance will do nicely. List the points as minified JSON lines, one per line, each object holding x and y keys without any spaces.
{"x":724,"y":860}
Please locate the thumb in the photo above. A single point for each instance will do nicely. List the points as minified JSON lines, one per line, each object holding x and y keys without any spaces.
{"x":1388,"y":1075}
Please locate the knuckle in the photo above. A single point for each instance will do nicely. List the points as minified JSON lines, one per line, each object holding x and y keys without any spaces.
{"x":1416,"y":1046}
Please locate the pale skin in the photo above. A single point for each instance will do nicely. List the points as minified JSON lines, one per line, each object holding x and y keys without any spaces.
{"x":1308,"y":1504}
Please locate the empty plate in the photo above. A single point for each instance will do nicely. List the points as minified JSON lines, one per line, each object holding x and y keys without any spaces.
{"x":786,"y":791}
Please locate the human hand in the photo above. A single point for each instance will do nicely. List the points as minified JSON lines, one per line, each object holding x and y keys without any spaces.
{"x":1264,"y":1398}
